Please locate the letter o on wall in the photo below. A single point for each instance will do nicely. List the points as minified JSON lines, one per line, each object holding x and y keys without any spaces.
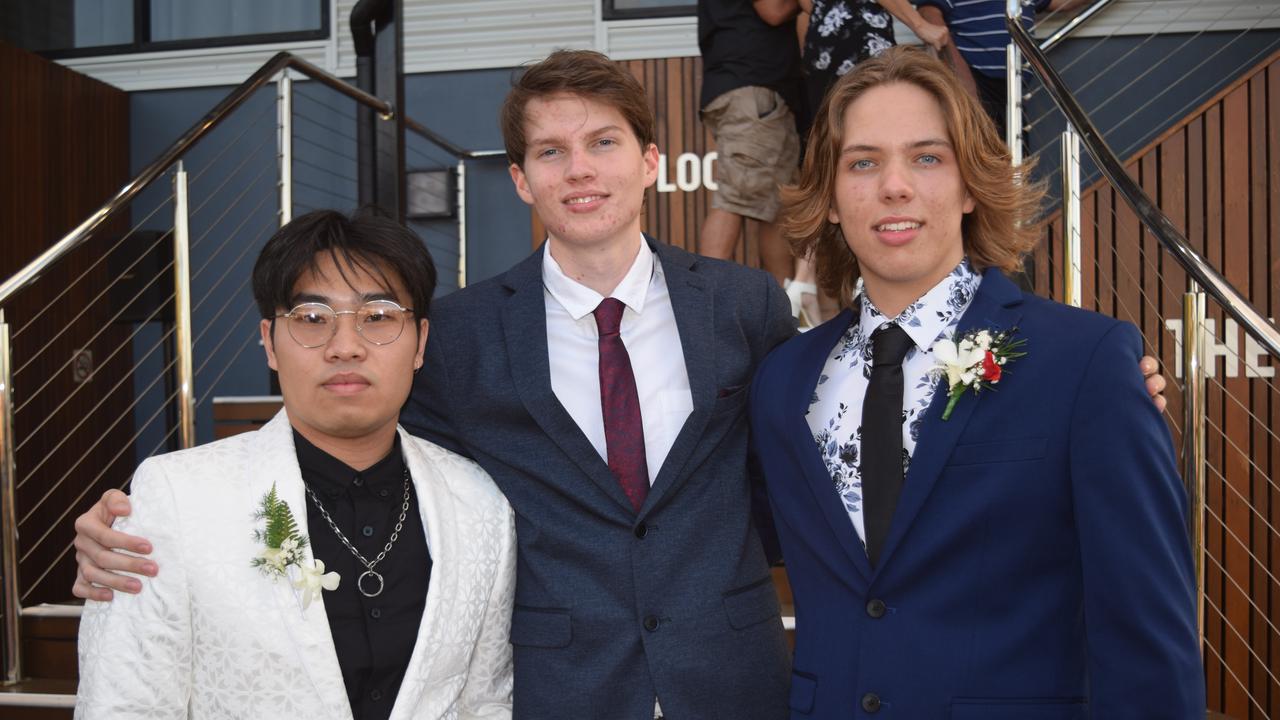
{"x":688,"y":172}
{"x":707,"y":180}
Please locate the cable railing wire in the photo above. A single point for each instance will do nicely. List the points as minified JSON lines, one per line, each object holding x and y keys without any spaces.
{"x":67,"y":364}
{"x":1118,"y":62}
{"x":1197,"y":66}
{"x":101,"y":259}
{"x":256,"y":242}
{"x":67,"y":435}
{"x":1222,"y":662}
{"x":233,"y":235}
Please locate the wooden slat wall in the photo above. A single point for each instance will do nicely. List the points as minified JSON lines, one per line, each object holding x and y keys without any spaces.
{"x":1217,"y":176}
{"x":673,"y":86}
{"x":64,"y":138}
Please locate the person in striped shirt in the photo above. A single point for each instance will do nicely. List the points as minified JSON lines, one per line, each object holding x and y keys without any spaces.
{"x":979,"y":37}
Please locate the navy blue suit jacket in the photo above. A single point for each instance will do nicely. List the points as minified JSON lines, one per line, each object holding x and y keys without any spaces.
{"x":613,"y":607}
{"x":1037,"y":565}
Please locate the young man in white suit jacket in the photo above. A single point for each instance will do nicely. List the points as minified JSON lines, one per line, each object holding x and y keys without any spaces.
{"x":218,"y":635}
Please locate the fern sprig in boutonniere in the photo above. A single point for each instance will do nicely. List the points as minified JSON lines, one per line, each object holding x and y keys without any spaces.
{"x":282,"y":542}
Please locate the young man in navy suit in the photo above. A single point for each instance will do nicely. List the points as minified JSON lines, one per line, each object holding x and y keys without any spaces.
{"x":642,"y":586}
{"x":1017,"y":552}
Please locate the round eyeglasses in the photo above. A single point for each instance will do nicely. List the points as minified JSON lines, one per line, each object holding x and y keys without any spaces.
{"x":314,"y":324}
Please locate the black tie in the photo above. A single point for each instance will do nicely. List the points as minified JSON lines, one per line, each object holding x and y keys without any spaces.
{"x":882,"y":436}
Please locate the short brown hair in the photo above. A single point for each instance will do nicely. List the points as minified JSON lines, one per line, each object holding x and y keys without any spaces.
{"x":999,"y":231}
{"x":584,"y":73}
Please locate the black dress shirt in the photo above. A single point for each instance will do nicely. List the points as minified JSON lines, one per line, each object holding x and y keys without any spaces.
{"x":374,"y":637}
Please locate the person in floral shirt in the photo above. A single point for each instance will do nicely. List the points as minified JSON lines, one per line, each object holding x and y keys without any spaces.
{"x":977,"y":503}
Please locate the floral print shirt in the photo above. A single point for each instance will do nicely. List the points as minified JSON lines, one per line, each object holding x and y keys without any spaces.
{"x":835,"y":411}
{"x":843,"y":33}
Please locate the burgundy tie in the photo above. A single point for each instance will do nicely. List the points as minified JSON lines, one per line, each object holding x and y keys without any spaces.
{"x":623,"y":431}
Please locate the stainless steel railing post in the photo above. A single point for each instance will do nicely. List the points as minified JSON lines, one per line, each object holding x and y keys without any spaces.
{"x":1193,"y":431}
{"x":1013,"y":80}
{"x":1071,"y":217}
{"x":182,"y":311}
{"x":284,"y":142}
{"x":462,"y":223}
{"x":9,"y":516}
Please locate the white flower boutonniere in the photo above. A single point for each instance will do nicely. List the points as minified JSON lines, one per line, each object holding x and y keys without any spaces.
{"x":282,"y":548}
{"x":313,"y":580}
{"x":976,"y":360}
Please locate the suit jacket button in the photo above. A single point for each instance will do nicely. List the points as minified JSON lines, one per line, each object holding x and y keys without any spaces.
{"x":642,"y":530}
{"x":871,"y":702}
{"x":650,"y":623}
{"x":875,"y":608}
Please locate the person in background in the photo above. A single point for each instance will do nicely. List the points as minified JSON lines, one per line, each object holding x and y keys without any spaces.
{"x":750,"y":96}
{"x":980,"y":37}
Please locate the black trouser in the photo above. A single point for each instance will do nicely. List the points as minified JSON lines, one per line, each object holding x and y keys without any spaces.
{"x":993,"y":92}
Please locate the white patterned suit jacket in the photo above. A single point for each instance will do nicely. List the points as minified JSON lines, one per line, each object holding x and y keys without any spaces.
{"x":211,"y":637}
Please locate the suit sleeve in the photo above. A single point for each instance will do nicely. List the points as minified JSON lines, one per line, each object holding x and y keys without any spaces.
{"x":135,"y":652}
{"x":780,"y":326}
{"x":487,"y":693}
{"x":426,"y":412}
{"x":1139,"y":592}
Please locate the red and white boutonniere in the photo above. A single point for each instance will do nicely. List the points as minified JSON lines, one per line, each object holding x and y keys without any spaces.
{"x":975,"y":360}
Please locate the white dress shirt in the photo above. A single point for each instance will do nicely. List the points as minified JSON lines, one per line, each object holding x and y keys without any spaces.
{"x":652,"y":340}
{"x":835,"y":412}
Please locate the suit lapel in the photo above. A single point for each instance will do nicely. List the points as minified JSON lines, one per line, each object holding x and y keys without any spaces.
{"x":996,"y":306}
{"x":433,"y":502}
{"x":524,"y":327}
{"x":820,"y":341}
{"x":309,"y":630}
{"x":694,"y":310}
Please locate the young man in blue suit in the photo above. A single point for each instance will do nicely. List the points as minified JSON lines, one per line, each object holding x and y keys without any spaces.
{"x":1014,"y":553}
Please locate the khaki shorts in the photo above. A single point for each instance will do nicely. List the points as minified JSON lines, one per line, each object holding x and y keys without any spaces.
{"x":758,"y":150}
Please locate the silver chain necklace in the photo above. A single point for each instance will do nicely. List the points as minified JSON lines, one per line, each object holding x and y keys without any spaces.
{"x":369,"y":572}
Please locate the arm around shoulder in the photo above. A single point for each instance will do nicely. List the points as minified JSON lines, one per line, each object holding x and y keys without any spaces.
{"x":135,"y":652}
{"x":1130,"y":506}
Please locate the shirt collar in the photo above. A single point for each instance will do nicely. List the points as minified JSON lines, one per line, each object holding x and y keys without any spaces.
{"x":927,"y":318}
{"x":329,"y":476}
{"x":579,"y":300}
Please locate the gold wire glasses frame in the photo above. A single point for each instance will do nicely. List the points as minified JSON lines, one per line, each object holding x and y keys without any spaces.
{"x":312,"y":325}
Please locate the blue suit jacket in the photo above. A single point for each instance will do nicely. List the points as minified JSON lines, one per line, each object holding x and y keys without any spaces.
{"x":1037,"y":565}
{"x":613,"y":607}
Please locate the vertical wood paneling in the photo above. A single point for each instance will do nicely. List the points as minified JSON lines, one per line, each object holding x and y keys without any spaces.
{"x":64,"y":139}
{"x":1271,"y":261}
{"x":1256,"y":437}
{"x":1172,"y":198}
{"x":1235,"y":424}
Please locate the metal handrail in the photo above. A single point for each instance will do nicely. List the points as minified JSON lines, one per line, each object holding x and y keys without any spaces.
{"x":1155,"y":221}
{"x":278,"y":62}
{"x":1061,"y":33}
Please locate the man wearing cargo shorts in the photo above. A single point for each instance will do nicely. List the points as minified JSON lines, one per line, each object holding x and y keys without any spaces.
{"x":750,"y":85}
